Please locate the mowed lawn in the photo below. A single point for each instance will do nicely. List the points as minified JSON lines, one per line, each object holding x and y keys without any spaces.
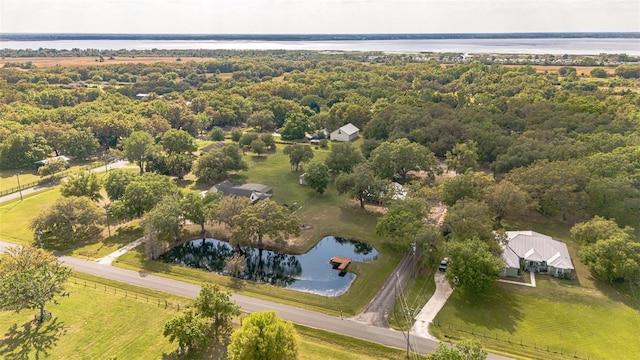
{"x":89,"y":324}
{"x":95,"y":323}
{"x":584,"y":317}
{"x":16,"y":215}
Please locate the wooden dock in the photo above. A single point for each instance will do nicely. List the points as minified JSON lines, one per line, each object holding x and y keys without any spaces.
{"x":340,"y":262}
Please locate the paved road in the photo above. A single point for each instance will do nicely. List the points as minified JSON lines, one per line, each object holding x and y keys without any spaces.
{"x":378,"y":310}
{"x":309,"y":318}
{"x":16,"y":195}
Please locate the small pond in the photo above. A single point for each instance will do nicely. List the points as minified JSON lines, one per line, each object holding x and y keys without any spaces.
{"x":310,"y":272}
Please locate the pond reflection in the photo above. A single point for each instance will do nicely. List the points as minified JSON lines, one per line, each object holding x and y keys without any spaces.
{"x":310,"y":272}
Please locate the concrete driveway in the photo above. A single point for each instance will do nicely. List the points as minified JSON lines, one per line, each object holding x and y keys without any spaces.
{"x":433,"y":307}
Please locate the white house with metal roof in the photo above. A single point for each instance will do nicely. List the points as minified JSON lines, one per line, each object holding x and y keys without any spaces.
{"x":536,"y":252}
{"x":348,"y":132}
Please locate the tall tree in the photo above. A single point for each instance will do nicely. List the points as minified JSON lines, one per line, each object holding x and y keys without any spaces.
{"x":598,"y":228}
{"x":164,"y":219}
{"x":402,"y":221}
{"x":78,"y":144}
{"x":263,"y":335}
{"x":263,"y":120}
{"x":83,"y":184}
{"x":142,"y":194}
{"x":298,"y":154}
{"x":265,"y":218}
{"x":195,"y":207}
{"x":217,"y":306}
{"x":138,"y":146}
{"x":469,"y":219}
{"x":216,"y":164}
{"x":227,"y":208}
{"x":317,"y":177}
{"x":68,"y":220}
{"x":21,"y":149}
{"x":188,"y":329}
{"x":472,"y":265}
{"x":463,"y":157}
{"x":295,"y":127}
{"x":505,"y":198}
{"x":343,"y":158}
{"x":614,"y":258}
{"x":116,"y":181}
{"x":401,"y":156}
{"x":362,"y":184}
{"x":177,"y":141}
{"x":30,"y":278}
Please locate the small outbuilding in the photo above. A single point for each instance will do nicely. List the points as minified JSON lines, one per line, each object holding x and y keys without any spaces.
{"x":347,"y":132}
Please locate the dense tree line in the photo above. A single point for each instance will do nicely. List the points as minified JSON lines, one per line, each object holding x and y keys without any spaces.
{"x":569,"y":143}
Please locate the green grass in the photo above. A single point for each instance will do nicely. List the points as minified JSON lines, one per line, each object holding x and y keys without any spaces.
{"x":319,"y":344}
{"x":9,"y":178}
{"x":16,"y":215}
{"x":584,"y":317}
{"x":104,"y":319}
{"x":418,"y":291}
{"x":89,"y":324}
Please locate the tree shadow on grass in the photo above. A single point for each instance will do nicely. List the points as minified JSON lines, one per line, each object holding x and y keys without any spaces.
{"x":31,"y":340}
{"x":496,"y":310}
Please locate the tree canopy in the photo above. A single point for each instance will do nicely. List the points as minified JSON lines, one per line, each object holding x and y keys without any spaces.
{"x":298,"y":153}
{"x":401,"y":156}
{"x":266,"y":218}
{"x":262,"y":336}
{"x":472,"y":265}
{"x":30,"y":278}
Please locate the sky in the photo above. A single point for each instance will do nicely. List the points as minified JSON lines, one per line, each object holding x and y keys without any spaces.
{"x":317,"y":16}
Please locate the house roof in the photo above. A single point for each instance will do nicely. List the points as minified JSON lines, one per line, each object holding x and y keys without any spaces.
{"x":533,"y":246}
{"x":512,"y":260}
{"x":251,"y":190}
{"x":349,"y":129}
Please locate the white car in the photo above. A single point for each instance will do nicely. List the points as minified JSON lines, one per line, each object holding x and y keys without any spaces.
{"x":443,"y":264}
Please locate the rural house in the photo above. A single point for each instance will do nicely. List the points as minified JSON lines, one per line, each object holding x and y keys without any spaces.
{"x":346,"y":133}
{"x":255,"y":192}
{"x":536,"y":252}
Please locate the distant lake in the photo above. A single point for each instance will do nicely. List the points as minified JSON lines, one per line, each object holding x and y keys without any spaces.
{"x":570,"y":46}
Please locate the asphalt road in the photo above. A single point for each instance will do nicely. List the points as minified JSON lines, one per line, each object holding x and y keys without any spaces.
{"x":377,"y":311}
{"x":300,"y":316}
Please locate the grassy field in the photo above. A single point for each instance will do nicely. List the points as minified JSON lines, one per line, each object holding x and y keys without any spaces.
{"x":16,"y":215}
{"x":126,"y":323}
{"x":581,"y":318}
{"x":90,"y":324}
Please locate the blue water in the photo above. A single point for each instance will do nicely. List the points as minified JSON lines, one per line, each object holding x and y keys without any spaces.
{"x":310,"y":272}
{"x":570,"y":46}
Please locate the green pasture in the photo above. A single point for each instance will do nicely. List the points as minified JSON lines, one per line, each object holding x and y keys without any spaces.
{"x":16,"y":215}
{"x":103,"y":319}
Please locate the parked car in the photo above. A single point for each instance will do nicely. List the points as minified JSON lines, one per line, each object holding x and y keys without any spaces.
{"x":443,"y":264}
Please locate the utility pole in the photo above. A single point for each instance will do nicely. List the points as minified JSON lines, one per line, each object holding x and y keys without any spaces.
{"x":39,"y":234}
{"x":106,"y":212}
{"x":19,"y":187}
